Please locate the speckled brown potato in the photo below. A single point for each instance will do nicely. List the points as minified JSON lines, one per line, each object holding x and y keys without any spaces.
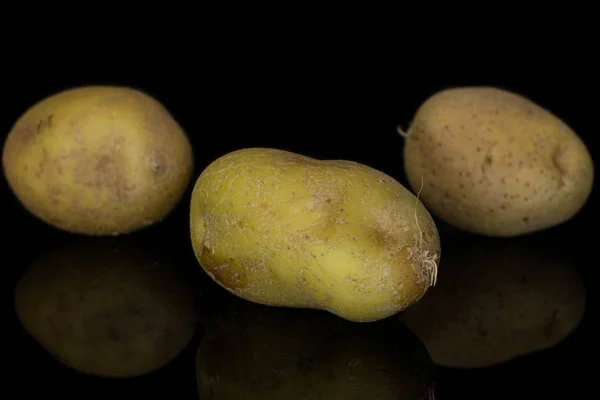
{"x":496,"y":301}
{"x":107,"y":307}
{"x":283,"y":229}
{"x":98,"y":160}
{"x":495,"y":163}
{"x":255,"y":352}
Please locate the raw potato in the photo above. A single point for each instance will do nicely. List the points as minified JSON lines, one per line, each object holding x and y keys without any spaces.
{"x":497,"y":301}
{"x":107,"y":307}
{"x":98,"y":160}
{"x":256,"y":352}
{"x":283,"y":229}
{"x":495,"y":163}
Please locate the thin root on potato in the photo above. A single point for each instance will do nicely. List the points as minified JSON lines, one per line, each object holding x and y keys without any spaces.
{"x":427,"y":261}
{"x":402,"y":132}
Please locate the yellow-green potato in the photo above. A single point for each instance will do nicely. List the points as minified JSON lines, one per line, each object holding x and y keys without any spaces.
{"x":283,"y":229}
{"x":257,"y":352}
{"x":497,"y":301}
{"x":98,"y":160}
{"x":107,"y":306}
{"x":495,"y":163}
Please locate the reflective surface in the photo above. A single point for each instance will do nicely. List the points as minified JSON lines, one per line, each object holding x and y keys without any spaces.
{"x":498,"y":300}
{"x":258,"y":352}
{"x":247,"y":351}
{"x":112,"y":307}
{"x":243,"y":350}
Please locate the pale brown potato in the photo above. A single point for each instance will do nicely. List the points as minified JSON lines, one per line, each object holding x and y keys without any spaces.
{"x":495,"y":163}
{"x":256,"y":352}
{"x":496,"y":301}
{"x":98,"y":160}
{"x":283,"y":229}
{"x":111,"y":307}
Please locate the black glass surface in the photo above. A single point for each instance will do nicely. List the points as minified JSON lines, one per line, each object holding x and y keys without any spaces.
{"x":329,"y":109}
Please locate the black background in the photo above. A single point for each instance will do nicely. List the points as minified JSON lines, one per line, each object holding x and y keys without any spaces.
{"x":327,"y":98}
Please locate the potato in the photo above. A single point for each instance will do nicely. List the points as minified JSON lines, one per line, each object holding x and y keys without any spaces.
{"x":494,"y":163}
{"x":98,"y":160}
{"x":252,"y":351}
{"x":282,"y":229}
{"x":109,"y":307}
{"x":497,"y":301}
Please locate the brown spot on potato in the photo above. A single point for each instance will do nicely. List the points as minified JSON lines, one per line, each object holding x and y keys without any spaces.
{"x":105,"y":173}
{"x":54,"y":191}
{"x":21,"y":134}
{"x":42,"y":166}
{"x":158,"y":163}
{"x":382,"y":238}
{"x":108,"y":175}
{"x":227,"y":271}
{"x":44,"y":125}
{"x":329,"y":202}
{"x":102,"y":165}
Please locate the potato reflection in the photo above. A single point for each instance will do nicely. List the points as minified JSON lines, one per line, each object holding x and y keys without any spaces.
{"x":497,"y":300}
{"x":107,"y":306}
{"x":252,"y":351}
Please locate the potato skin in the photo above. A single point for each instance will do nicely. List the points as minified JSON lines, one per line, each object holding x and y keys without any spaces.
{"x":497,"y":301}
{"x":111,"y":307}
{"x":283,"y":229}
{"x":98,"y":160}
{"x":495,"y":163}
